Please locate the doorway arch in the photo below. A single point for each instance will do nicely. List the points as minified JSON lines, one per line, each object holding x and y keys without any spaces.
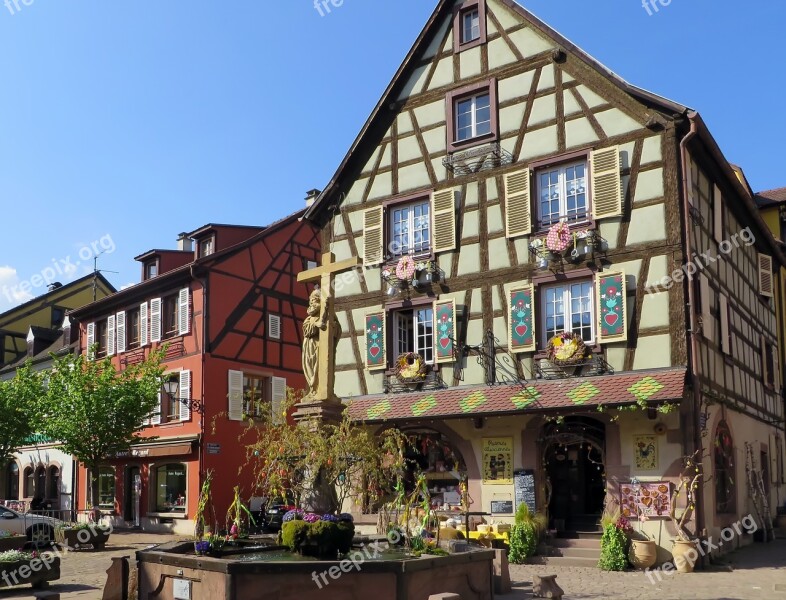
{"x":573,"y":454}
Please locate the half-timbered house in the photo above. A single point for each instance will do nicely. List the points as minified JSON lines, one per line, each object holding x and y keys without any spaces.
{"x":227,"y":307}
{"x":544,"y":244}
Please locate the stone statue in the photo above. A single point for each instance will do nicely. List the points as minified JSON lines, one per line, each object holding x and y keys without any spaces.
{"x":319,"y":323}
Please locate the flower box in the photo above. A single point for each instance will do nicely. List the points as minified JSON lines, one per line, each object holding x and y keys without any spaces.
{"x":14,"y":542}
{"x":34,"y":571}
{"x":79,"y":537}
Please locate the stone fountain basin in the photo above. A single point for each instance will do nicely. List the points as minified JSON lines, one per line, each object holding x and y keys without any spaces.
{"x":167,"y":569}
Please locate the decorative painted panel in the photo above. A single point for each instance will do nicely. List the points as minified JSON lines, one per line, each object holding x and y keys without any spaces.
{"x":612,"y":307}
{"x":445,"y":314}
{"x":522,"y":320}
{"x":375,"y":341}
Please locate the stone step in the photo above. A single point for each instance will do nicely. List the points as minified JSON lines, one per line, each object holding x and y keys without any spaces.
{"x":573,"y":543}
{"x":550,"y":552}
{"x":563,"y":561}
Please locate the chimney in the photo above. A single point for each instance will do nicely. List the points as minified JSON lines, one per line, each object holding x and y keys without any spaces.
{"x":54,"y":286}
{"x":184,"y":243}
{"x":311,"y":197}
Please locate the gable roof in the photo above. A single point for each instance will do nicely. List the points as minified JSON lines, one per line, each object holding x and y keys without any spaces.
{"x":421,"y":43}
{"x":770,"y":197}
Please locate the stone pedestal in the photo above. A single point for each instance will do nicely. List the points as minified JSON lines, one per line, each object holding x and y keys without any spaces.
{"x":545,"y":586}
{"x":319,"y":412}
{"x":501,"y":572}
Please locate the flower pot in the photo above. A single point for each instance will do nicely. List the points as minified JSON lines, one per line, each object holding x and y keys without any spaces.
{"x":35,"y":572}
{"x":643,"y":554}
{"x":14,"y":542}
{"x":685,"y":556}
{"x":96,"y":537}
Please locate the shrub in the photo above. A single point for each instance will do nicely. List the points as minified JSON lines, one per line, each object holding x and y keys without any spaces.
{"x":523,"y":542}
{"x":613,"y":549}
{"x":325,"y":538}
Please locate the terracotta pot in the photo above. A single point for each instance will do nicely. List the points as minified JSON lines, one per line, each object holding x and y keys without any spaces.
{"x":685,"y":556}
{"x":643,"y":554}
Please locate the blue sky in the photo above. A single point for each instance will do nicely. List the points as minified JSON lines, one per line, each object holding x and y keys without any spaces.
{"x":129,"y":122}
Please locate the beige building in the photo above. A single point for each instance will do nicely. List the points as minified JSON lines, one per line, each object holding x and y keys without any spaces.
{"x":545,"y":246}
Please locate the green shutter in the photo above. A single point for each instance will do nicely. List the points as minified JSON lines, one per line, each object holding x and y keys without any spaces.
{"x":375,"y":341}
{"x":445,"y":332}
{"x":612,"y":299}
{"x":521,"y":322}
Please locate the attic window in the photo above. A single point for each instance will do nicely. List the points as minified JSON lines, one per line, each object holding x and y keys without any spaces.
{"x":472,"y":115}
{"x":207,"y":247}
{"x":469,"y":25}
{"x":151,"y":269}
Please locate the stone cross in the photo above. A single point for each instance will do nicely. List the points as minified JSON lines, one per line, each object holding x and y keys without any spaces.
{"x":325,"y":275}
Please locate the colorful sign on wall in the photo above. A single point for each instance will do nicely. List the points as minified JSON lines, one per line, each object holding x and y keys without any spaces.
{"x":498,"y":461}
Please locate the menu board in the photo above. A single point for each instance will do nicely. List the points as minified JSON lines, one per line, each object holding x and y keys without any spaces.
{"x":502,"y":507}
{"x":524,"y":486}
{"x":651,"y":499}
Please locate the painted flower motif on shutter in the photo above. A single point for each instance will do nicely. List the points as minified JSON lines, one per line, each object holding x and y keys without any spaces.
{"x":522,"y":329}
{"x":612,"y":305}
{"x":375,"y":341}
{"x":445,"y":331}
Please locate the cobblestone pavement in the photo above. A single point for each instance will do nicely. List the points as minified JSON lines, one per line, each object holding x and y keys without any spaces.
{"x":757,"y":572}
{"x":754,"y":573}
{"x":83,"y":572}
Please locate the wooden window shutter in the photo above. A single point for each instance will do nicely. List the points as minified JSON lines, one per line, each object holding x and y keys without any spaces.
{"x":274,"y":327}
{"x":155,"y":418}
{"x":184,"y":393}
{"x":183,"y":312}
{"x":278,"y":400}
{"x":155,"y":320}
{"x":518,"y":205}
{"x":521,"y":320}
{"x":376,"y":357}
{"x":606,"y":183}
{"x":444,"y":208}
{"x":110,"y":336}
{"x":120,"y":326}
{"x":91,"y":340}
{"x":707,"y":324}
{"x":765,"y":275}
{"x":373,"y":239}
{"x":612,"y":297}
{"x":144,"y":325}
{"x":725,"y":326}
{"x":444,"y":331}
{"x":717,"y":208}
{"x":235,"y":395}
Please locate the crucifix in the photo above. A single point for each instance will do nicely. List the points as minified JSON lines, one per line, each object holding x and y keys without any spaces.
{"x":321,"y":329}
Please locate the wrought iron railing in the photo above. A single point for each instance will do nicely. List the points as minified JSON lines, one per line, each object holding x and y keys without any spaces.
{"x":595,"y":365}
{"x":432,"y":381}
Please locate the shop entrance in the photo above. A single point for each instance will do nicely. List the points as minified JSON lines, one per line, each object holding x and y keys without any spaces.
{"x":133,"y":488}
{"x":574,"y":457}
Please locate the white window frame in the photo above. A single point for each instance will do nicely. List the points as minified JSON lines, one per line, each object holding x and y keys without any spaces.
{"x":567,"y":304}
{"x":563,"y":193}
{"x":474,"y":15}
{"x":408,"y":316}
{"x":207,"y":247}
{"x":395,"y":248}
{"x":474,"y":112}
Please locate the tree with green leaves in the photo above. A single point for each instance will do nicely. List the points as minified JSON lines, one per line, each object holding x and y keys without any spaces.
{"x":96,"y":411}
{"x":19,"y":411}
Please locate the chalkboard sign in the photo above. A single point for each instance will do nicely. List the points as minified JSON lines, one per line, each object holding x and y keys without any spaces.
{"x":502,"y":507}
{"x":524,"y":486}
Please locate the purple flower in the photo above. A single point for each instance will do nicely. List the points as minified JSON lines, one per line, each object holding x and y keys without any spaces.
{"x":330,"y":518}
{"x":346,"y":517}
{"x":293,"y":515}
{"x":312,"y":518}
{"x":202,"y":547}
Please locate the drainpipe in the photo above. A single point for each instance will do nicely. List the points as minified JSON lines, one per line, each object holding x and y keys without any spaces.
{"x":201,"y":441}
{"x":694,"y":361}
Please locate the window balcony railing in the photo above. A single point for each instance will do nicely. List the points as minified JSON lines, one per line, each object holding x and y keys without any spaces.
{"x":590,"y":367}
{"x":432,"y":381}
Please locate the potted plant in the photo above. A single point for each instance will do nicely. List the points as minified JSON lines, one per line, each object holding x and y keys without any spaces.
{"x":685,"y":552}
{"x":11,"y":541}
{"x":79,"y":535}
{"x":643,"y":550}
{"x":23,"y":568}
{"x":201,"y":548}
{"x":525,"y":534}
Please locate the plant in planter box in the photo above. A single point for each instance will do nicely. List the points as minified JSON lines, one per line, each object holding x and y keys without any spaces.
{"x":79,"y":535}
{"x":11,"y":541}
{"x":614,"y":542}
{"x":319,"y":536}
{"x":525,"y":534}
{"x":20,"y":568}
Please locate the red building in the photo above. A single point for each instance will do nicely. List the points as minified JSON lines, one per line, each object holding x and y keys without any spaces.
{"x":229,"y":307}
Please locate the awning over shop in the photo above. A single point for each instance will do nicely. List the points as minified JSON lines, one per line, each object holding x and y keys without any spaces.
{"x":651,"y":386}
{"x":158,"y":448}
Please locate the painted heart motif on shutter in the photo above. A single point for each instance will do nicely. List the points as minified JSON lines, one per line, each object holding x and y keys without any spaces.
{"x":521,"y":329}
{"x":611,"y":319}
{"x":444,"y":342}
{"x":374,"y":351}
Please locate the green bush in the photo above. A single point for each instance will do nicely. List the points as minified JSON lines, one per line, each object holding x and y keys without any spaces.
{"x":613,"y":549}
{"x":523,"y":542}
{"x":324,"y":538}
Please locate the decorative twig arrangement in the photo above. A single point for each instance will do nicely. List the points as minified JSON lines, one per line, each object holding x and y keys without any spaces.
{"x":691,"y":477}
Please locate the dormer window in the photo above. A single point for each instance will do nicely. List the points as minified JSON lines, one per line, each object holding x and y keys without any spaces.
{"x":58,"y":316}
{"x":151,"y":269}
{"x":207,"y":247}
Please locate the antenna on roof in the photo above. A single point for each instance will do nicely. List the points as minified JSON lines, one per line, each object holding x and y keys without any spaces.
{"x":96,"y":271}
